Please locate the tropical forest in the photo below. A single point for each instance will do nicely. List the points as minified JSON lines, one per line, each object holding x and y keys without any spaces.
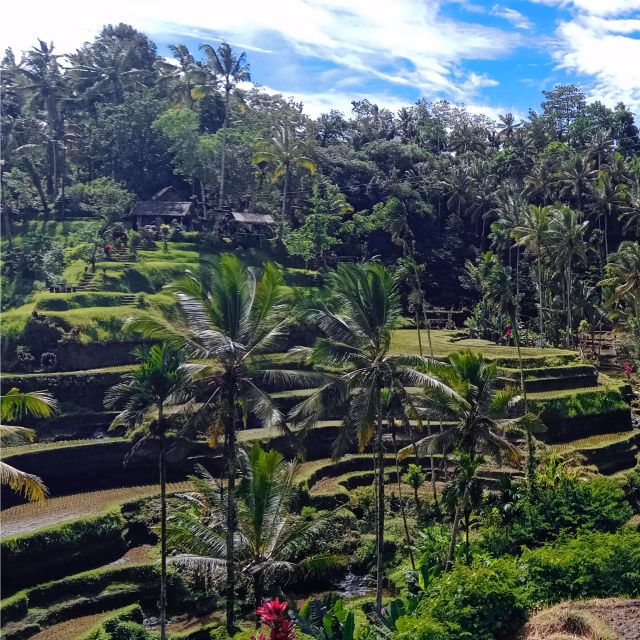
{"x":267,"y":375}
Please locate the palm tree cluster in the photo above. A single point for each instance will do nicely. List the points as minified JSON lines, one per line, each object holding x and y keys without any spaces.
{"x":212,"y":375}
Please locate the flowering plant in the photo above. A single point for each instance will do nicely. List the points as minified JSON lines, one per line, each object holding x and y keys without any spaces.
{"x":273,"y":614}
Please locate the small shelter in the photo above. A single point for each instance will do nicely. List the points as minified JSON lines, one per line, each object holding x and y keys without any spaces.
{"x":251,"y":226}
{"x":163,"y":208}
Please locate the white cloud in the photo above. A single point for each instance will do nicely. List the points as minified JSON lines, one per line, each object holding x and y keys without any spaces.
{"x":517,"y":19}
{"x":599,"y":42}
{"x":405,"y":42}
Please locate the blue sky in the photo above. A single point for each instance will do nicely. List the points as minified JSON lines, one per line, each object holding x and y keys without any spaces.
{"x":492,"y":56}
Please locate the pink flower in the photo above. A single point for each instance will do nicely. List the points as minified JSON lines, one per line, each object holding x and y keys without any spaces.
{"x":273,"y":614}
{"x":628,"y":368}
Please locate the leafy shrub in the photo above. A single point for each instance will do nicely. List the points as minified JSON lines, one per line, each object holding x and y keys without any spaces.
{"x":485,"y":603}
{"x":40,"y":334}
{"x":594,"y":564}
{"x":565,"y":505}
{"x":48,"y":360}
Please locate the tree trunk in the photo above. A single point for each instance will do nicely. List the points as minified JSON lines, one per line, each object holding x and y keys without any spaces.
{"x":283,"y":214}
{"x":454,"y":536}
{"x":466,"y":538}
{"x":380,"y":507}
{"x":418,"y":332}
{"x":402,"y":505}
{"x":163,"y":529}
{"x":223,"y":148}
{"x":230,"y":442}
{"x":257,"y":594}
{"x":569,"y":319}
{"x":540,"y":298}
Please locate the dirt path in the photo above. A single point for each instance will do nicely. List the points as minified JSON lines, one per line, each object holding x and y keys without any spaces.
{"x":621,"y":616}
{"x":30,"y":517}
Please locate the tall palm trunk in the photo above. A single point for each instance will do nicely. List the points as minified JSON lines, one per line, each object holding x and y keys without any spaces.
{"x":540,"y":298}
{"x":223,"y":148}
{"x":454,"y":537}
{"x":569,"y":318}
{"x":257,"y":595}
{"x":467,"y":557}
{"x":285,"y":190}
{"x":230,"y":446}
{"x":403,"y":510}
{"x":163,"y":528}
{"x":432,"y":462}
{"x":380,"y":506}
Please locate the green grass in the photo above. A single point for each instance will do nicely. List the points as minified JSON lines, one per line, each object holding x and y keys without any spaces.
{"x":96,"y":323}
{"x":445,"y":342}
{"x":572,"y":403}
{"x":119,"y":368}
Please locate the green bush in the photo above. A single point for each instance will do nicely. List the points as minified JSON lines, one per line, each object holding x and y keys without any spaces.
{"x":567,"y":505}
{"x":486,"y":602}
{"x":80,"y":300}
{"x":594,"y":564}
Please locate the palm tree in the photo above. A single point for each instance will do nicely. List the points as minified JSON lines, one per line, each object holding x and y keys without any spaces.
{"x":606,"y":196}
{"x":48,"y":92}
{"x":566,"y":242}
{"x":475,"y":408}
{"x":186,"y":78}
{"x":540,"y":182}
{"x":233,"y":320}
{"x":283,"y":149}
{"x":268,"y":536}
{"x":623,"y":274}
{"x":15,"y":405}
{"x":630,"y":209}
{"x":358,"y":340}
{"x":464,"y":495}
{"x":162,"y":378}
{"x":532,"y":234}
{"x":507,"y":126}
{"x":575,"y":178}
{"x":415,"y":478}
{"x":231,"y":69}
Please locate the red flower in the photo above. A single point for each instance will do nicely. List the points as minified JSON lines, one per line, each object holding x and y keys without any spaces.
{"x":273,"y":614}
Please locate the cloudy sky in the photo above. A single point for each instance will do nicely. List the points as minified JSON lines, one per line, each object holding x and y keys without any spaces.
{"x":492,"y":56}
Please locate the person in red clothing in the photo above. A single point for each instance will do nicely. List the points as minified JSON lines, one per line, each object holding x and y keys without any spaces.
{"x":508,"y":332}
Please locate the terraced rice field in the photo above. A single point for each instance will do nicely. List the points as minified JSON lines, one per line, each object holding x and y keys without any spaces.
{"x":30,"y":517}
{"x":599,"y":440}
{"x":444,"y":342}
{"x":72,"y":629}
{"x":58,"y":444}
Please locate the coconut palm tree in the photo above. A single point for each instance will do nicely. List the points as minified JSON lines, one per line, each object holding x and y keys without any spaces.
{"x":464,"y":495}
{"x":606,"y":197}
{"x":184,"y":78}
{"x":48,"y":92}
{"x":234,"y":318}
{"x":566,"y":242}
{"x":474,"y":409}
{"x":574,"y":179}
{"x":630,"y":208}
{"x":507,"y":126}
{"x":532,"y":234}
{"x":623,"y":274}
{"x":268,"y":536}
{"x":15,"y":405}
{"x":415,"y":478}
{"x":358,"y":340}
{"x":286,"y":152}
{"x":231,"y":69}
{"x":540,"y":182}
{"x":161,"y":379}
